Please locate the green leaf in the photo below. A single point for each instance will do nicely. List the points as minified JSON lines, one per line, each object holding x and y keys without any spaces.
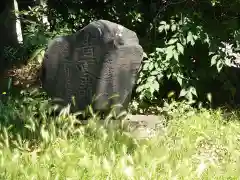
{"x":174,"y":27}
{"x":156,"y":65}
{"x":180,"y":48}
{"x":195,"y":37}
{"x":209,"y":97}
{"x":145,"y":66}
{"x":183,"y":93}
{"x":151,"y":66}
{"x":169,"y":55}
{"x":190,"y":38}
{"x":183,"y":39}
{"x":171,"y":94}
{"x":214,"y":2}
{"x":145,"y":55}
{"x":170,"y":48}
{"x":163,"y":22}
{"x":140,"y":89}
{"x":175,"y":55}
{"x":155,"y":86}
{"x":151,"y":79}
{"x":219,"y":66}
{"x":214,"y":59}
{"x":167,"y":27}
{"x":160,"y":76}
{"x":159,"y":49}
{"x":169,"y":52}
{"x":228,"y":62}
{"x":161,"y":28}
{"x":193,"y":90}
{"x":147,"y":94}
{"x":206,"y":39}
{"x":179,"y":79}
{"x":154,"y":73}
{"x":172,"y":41}
{"x":152,"y":54}
{"x":211,"y":53}
{"x":169,"y":75}
{"x":192,"y":43}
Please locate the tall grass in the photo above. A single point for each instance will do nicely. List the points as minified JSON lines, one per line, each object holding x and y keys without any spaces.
{"x":34,"y":145}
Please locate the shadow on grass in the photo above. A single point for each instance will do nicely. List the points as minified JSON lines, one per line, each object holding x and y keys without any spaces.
{"x":27,"y":122}
{"x":30,"y":118}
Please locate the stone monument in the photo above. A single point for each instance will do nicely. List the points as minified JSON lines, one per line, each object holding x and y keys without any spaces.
{"x":95,"y":66}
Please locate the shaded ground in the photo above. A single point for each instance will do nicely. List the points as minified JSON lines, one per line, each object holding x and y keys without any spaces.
{"x":19,"y":77}
{"x":139,"y":126}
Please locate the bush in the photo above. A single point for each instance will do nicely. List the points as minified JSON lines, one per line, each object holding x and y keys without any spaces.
{"x":191,"y":58}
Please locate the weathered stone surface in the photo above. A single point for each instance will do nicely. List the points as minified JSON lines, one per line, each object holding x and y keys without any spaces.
{"x":100,"y":60}
{"x":138,"y":126}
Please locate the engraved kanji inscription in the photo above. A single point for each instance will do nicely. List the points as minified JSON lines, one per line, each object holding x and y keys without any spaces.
{"x":83,"y":91}
{"x":85,"y":51}
{"x":79,"y":79}
{"x":68,"y":85}
{"x":85,"y":66}
{"x":88,"y":51}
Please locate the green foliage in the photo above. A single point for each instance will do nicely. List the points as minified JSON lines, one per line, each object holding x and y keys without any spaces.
{"x":174,"y":61}
{"x":37,"y":31}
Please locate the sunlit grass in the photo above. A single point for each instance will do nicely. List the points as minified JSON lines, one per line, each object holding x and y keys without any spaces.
{"x":197,"y":144}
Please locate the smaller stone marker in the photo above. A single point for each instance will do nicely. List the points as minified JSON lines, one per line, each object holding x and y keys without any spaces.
{"x":101,"y":60}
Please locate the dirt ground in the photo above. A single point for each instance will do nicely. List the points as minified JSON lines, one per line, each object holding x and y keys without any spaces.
{"x":17,"y":78}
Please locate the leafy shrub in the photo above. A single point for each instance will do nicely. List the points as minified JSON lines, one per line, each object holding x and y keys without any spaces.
{"x":190,"y":57}
{"x":37,"y":32}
